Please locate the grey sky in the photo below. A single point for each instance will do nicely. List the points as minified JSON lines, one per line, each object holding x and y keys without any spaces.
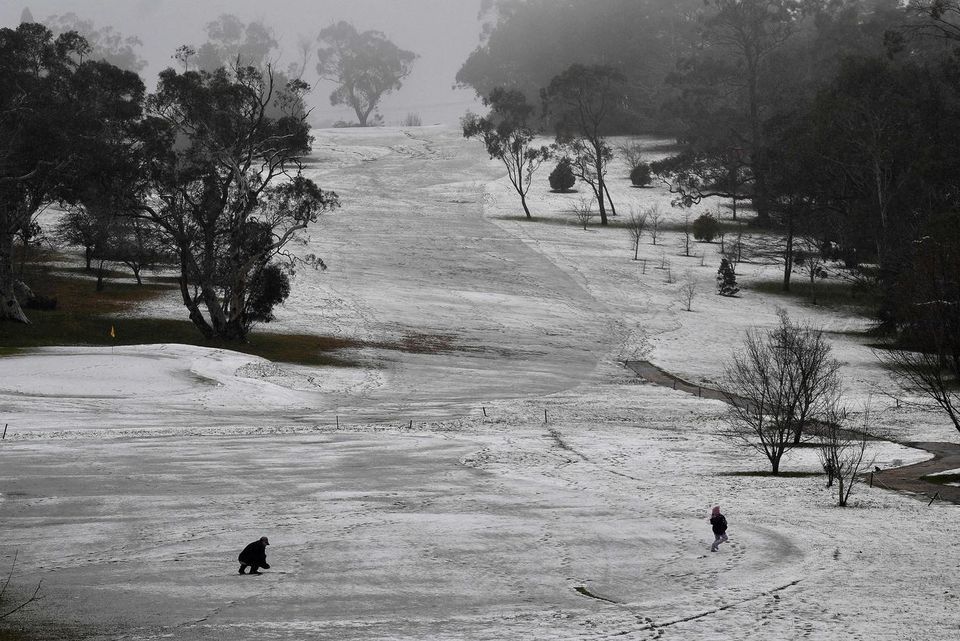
{"x":442,"y":32}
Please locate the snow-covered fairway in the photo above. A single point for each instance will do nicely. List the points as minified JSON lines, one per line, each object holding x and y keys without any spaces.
{"x":131,"y":479}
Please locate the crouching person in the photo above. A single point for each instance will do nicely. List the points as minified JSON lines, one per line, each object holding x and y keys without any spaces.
{"x":255,"y":556}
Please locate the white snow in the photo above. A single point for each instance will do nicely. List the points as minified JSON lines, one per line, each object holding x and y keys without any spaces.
{"x":131,"y":477}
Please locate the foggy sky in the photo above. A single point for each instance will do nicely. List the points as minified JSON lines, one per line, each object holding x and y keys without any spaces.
{"x":442,"y":32}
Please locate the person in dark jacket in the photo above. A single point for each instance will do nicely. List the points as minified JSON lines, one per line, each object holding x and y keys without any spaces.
{"x":254,"y":555}
{"x":719,"y":524}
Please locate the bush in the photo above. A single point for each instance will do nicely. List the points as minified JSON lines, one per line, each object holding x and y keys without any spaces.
{"x":269,"y":288}
{"x":412,"y":120}
{"x":706,"y":228}
{"x":641,"y":175}
{"x":562,"y":178}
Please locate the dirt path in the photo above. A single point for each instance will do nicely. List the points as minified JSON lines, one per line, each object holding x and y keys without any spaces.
{"x":946,"y":456}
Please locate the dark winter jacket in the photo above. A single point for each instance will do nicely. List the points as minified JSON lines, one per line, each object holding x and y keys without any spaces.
{"x":254,"y":554}
{"x":719,"y":523}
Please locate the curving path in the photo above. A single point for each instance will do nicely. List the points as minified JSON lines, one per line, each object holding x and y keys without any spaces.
{"x":910,"y":478}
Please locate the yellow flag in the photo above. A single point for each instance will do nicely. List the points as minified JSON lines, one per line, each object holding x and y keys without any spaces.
{"x":113,"y":334}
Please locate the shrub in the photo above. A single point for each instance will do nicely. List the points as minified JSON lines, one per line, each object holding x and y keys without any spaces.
{"x":641,"y":175}
{"x":412,"y":120}
{"x":727,"y":279}
{"x":562,"y":178}
{"x":706,"y":228}
{"x":270,"y":287}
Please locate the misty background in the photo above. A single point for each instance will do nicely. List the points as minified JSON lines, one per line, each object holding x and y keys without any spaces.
{"x":441,"y":32}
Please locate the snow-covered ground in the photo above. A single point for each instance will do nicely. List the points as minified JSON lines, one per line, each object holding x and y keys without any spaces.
{"x":130,"y":478}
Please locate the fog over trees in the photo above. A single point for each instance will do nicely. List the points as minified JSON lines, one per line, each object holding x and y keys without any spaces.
{"x":829,"y":125}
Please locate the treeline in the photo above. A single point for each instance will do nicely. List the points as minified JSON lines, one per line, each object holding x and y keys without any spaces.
{"x":202,"y":176}
{"x":836,"y":121}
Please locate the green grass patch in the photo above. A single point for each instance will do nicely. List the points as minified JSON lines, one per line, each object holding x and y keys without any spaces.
{"x":941,"y":479}
{"x":85,"y":316}
{"x":834,"y":294}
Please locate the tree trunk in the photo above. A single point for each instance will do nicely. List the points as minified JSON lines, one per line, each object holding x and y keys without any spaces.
{"x":9,"y":306}
{"x":788,"y":256}
{"x":613,"y":210}
{"x":813,"y":283}
{"x":775,"y":466}
{"x":196,"y":316}
{"x":523,"y":201}
{"x":100,"y":276}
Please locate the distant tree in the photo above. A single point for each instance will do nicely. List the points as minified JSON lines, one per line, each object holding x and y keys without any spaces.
{"x":842,"y":451}
{"x":655,"y":220}
{"x":636,"y":226}
{"x":231,"y":42}
{"x":305,"y":46}
{"x":687,"y":230}
{"x":777,"y":384}
{"x":641,"y":175}
{"x":808,"y":257}
{"x":583,"y":210}
{"x":111,"y":175}
{"x":135,"y":243}
{"x":105,"y":43}
{"x":51,"y":106}
{"x":696,"y":175}
{"x":705,"y":228}
{"x":688,"y":291}
{"x":632,"y":152}
{"x":365,"y":66}
{"x":228,"y":192}
{"x":562,"y":178}
{"x":508,"y":137}
{"x":80,"y":228}
{"x":582,"y":102}
{"x":26,"y":16}
{"x":926,"y":356}
{"x":527,"y":43}
{"x":727,"y":279}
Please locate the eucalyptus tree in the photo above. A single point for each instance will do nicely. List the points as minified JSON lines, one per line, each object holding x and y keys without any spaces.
{"x":365,"y":67}
{"x":508,"y":136}
{"x":225,"y":188}
{"x":55,"y":103}
{"x":582,"y":103}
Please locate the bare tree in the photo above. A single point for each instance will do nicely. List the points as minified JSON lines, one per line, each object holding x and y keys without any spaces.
{"x":636,"y":225}
{"x":632,"y":151}
{"x":926,"y":303}
{"x":816,"y":373}
{"x":808,"y":256}
{"x":687,"y":233}
{"x":931,"y":372}
{"x":779,"y":383}
{"x":688,"y":291}
{"x":584,"y":212}
{"x":655,"y":218}
{"x":842,"y":451}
